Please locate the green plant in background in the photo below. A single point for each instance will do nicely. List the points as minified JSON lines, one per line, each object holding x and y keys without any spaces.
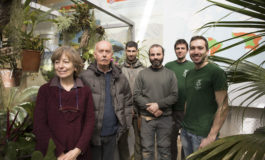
{"x":244,"y":71}
{"x":248,"y":146}
{"x":16,"y":118}
{"x":10,"y":34}
{"x":238,"y":147}
{"x":37,"y":155}
{"x":32,"y":18}
{"x":251,"y":8}
{"x":80,"y":18}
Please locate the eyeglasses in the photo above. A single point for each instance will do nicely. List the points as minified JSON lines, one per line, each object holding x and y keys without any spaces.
{"x":131,"y":51}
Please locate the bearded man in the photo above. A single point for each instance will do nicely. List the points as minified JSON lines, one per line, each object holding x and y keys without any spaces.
{"x":155,"y":91}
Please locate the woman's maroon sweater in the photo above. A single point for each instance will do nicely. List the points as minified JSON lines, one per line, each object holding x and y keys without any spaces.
{"x":67,"y":129}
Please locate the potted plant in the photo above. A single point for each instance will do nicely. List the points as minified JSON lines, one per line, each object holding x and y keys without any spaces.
{"x":32,"y":45}
{"x":9,"y":72}
{"x":10,"y":41}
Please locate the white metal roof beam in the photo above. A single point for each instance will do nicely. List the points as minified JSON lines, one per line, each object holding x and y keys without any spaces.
{"x":109,"y":12}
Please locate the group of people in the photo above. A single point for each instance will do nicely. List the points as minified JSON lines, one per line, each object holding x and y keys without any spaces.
{"x":88,"y":114}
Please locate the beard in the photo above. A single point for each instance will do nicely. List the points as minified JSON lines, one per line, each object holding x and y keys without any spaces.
{"x":131,"y":59}
{"x":202,"y":60}
{"x":156,"y":63}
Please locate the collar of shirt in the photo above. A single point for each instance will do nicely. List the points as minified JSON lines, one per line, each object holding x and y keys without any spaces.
{"x":56,"y":82}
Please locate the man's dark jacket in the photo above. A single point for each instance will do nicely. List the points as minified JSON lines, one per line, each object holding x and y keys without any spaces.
{"x":121,"y":97}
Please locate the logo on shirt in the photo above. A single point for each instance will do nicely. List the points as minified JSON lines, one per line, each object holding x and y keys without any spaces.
{"x":198,"y":84}
{"x":185,"y":72}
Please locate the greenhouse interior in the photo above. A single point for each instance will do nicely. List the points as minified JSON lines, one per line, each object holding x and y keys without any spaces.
{"x":33,"y":30}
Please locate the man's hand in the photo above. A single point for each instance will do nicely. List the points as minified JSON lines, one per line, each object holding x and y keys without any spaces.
{"x":206,"y":141}
{"x":72,"y":154}
{"x":158,"y":113}
{"x":152,"y":107}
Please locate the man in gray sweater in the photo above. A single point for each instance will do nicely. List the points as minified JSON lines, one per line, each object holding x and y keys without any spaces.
{"x":155,"y":91}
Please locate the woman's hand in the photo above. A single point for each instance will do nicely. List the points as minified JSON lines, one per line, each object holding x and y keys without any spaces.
{"x":72,"y":154}
{"x":61,"y":156}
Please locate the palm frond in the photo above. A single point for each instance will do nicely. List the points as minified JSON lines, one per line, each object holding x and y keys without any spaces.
{"x":244,"y":71}
{"x":234,"y":147}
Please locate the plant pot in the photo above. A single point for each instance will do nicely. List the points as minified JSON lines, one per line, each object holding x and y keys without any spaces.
{"x":30,"y":60}
{"x":10,"y":77}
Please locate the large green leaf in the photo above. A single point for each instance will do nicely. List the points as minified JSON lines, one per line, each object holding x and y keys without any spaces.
{"x":239,"y":147}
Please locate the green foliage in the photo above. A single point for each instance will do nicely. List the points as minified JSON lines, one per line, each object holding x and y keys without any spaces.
{"x":37,"y":155}
{"x":254,"y":9}
{"x":64,"y":22}
{"x":80,"y":18}
{"x":16,"y":120}
{"x":244,"y":71}
{"x":247,"y":146}
{"x":32,"y":18}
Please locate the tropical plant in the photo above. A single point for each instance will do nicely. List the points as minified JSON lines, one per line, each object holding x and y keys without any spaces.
{"x":255,"y":10}
{"x":248,"y":146}
{"x":16,"y":117}
{"x":251,"y":74}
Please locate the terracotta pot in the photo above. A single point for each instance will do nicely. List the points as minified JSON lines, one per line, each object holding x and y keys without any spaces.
{"x":30,"y":60}
{"x":10,"y":77}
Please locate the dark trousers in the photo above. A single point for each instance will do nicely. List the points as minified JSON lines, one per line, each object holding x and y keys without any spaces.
{"x":106,"y":150}
{"x":177,"y":119}
{"x":124,"y":146}
{"x":161,"y":129}
{"x":137,"y":145}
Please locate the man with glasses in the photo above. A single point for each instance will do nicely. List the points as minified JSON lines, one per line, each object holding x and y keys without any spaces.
{"x":131,"y":67}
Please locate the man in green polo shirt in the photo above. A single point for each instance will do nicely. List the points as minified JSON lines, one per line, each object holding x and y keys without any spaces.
{"x":180,"y":67}
{"x":206,"y":99}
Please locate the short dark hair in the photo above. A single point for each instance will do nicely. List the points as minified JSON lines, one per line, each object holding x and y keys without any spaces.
{"x":181,"y":41}
{"x":131,"y":44}
{"x":202,"y":38}
{"x":73,"y":56}
{"x":156,"y":45}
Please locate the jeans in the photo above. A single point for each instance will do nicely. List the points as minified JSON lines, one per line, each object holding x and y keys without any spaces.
{"x":190,"y":142}
{"x":160,"y":128}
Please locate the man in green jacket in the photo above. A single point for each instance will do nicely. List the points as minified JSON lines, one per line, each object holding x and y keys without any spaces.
{"x":131,"y":67}
{"x":155,"y":91}
{"x":181,"y":66}
{"x":112,"y":101}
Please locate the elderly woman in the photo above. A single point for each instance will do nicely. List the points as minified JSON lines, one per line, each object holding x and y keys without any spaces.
{"x":64,"y":109}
